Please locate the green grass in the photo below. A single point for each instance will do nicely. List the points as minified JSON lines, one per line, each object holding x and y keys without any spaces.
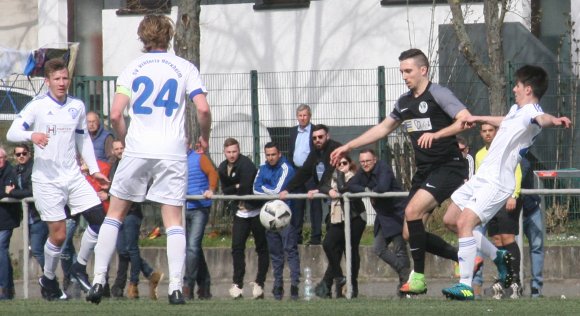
{"x":366,"y":307}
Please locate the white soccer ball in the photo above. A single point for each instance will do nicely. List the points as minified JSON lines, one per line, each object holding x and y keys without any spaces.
{"x":275,"y":215}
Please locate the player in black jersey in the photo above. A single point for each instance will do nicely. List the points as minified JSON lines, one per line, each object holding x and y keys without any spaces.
{"x":432,"y":116}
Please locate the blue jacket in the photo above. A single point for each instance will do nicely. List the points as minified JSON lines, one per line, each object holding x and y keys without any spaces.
{"x":197,"y":181}
{"x":273,"y":179}
{"x":99,"y":144}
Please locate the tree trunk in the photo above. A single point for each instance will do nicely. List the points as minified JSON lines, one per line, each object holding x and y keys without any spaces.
{"x":493,"y":74}
{"x":186,"y":45}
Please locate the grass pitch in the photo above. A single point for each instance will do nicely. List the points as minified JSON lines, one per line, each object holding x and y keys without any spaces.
{"x":247,"y":307}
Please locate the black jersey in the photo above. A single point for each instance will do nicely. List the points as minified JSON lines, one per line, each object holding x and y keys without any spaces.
{"x":432,"y":111}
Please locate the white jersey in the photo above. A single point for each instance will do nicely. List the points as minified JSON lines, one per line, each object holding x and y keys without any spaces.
{"x":66,"y":126}
{"x":516,"y":134}
{"x":158,"y":83}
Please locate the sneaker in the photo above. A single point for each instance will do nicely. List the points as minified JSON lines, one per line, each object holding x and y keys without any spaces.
{"x":415,"y":285}
{"x":459,"y":291}
{"x":133,"y":291}
{"x":339,"y":287}
{"x":497,"y":290}
{"x":50,"y":289}
{"x":278,"y":292}
{"x":322,"y":290}
{"x":154,"y":280}
{"x":235,"y":292}
{"x":515,"y":291}
{"x":257,"y":291}
{"x":176,"y":298}
{"x":294,"y":295}
{"x":116,"y":291}
{"x":536,"y":293}
{"x":503,"y":261}
{"x":79,"y":272}
{"x":95,"y":294}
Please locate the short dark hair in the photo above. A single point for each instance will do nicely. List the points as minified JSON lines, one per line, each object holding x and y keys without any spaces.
{"x":231,"y":141}
{"x":272,"y":145}
{"x":23,"y":146}
{"x":368,"y":150}
{"x":535,"y":77}
{"x":318,"y":127}
{"x":54,"y":65}
{"x":417,"y":55}
{"x":461,"y":140}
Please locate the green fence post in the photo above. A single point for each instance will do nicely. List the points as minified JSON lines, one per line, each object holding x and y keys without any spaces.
{"x":382,"y":103}
{"x":255,"y":116}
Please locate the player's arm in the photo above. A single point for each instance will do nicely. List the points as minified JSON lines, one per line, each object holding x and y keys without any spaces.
{"x":426,"y":140}
{"x":374,"y":134}
{"x":492,"y":120}
{"x":203,"y":118}
{"x":547,"y":120}
{"x":120,"y":102}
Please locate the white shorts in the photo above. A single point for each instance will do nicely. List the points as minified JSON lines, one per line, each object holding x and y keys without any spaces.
{"x":51,"y":198}
{"x":482,"y":197}
{"x":158,"y":180}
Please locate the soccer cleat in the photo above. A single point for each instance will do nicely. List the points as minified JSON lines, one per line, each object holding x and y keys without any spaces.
{"x":257,"y":291}
{"x":95,"y":294}
{"x":79,"y":272}
{"x":415,"y":285}
{"x":154,"y":280}
{"x":50,"y":289}
{"x":176,"y":298}
{"x":497,"y":290}
{"x":235,"y":292}
{"x":294,"y":292}
{"x":278,"y":292}
{"x":503,"y":261}
{"x":515,"y":291}
{"x":459,"y":292}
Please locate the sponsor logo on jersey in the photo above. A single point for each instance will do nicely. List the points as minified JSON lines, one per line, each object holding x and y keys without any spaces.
{"x":51,"y":129}
{"x":73,"y":113}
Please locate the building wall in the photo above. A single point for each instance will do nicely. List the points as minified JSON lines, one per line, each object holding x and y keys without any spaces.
{"x":19,"y":24}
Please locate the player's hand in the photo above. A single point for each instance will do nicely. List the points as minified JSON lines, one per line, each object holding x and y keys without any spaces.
{"x":311,"y":193}
{"x":39,"y":139}
{"x":203,"y":145}
{"x":510,"y":204}
{"x":208,"y":194}
{"x":559,"y":121}
{"x":338,"y":153}
{"x":101,"y":178}
{"x":282,"y":195}
{"x":426,"y":140}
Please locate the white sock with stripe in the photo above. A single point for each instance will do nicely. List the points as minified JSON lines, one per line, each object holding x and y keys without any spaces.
{"x":175,"y":256}
{"x":466,"y":255}
{"x":105,"y":248}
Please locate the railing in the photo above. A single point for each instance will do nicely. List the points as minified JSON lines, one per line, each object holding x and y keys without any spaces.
{"x":346,"y":197}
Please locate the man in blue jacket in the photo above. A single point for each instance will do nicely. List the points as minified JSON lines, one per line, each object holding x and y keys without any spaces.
{"x":377,"y":176}
{"x":272,"y":177}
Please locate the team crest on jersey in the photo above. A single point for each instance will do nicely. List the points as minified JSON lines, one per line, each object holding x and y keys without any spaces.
{"x":73,"y":112}
{"x":423,"y":107}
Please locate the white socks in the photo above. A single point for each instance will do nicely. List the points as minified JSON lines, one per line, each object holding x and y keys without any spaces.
{"x":105,"y":248}
{"x":485,"y":246}
{"x":51,"y":259}
{"x":466,"y":255}
{"x":175,"y":256}
{"x":88,"y":243}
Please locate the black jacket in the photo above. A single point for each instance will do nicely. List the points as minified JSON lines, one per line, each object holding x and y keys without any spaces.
{"x":308,"y":170}
{"x":390,"y":211}
{"x":23,"y":188}
{"x":357,"y":207}
{"x":243,"y":173}
{"x":10,"y":213}
{"x":292,"y":143}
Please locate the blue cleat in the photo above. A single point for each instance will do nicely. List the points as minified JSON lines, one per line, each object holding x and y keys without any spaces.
{"x":503,"y":261}
{"x":459,"y":292}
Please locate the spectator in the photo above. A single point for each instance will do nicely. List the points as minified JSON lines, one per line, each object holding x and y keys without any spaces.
{"x":128,"y":247}
{"x":102,"y":139}
{"x":237,"y":175}
{"x":202,"y":179}
{"x":10,"y":215}
{"x":300,"y":146}
{"x":333,"y":184}
{"x":377,"y":176}
{"x":533,"y":229}
{"x":37,"y":229}
{"x":272,"y":177}
{"x":464,"y":148}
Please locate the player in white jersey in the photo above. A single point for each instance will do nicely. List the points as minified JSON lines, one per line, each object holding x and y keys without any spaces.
{"x":478,"y":200}
{"x":56,"y":124}
{"x":154,"y":163}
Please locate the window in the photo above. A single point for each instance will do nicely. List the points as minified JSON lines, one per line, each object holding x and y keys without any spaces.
{"x":145,"y":7}
{"x":280,"y":4}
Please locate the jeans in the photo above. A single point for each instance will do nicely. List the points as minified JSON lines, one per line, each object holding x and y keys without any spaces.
{"x":69,"y":253}
{"x":6,"y":271}
{"x":397,"y":258}
{"x":196,"y":269}
{"x":128,"y":251}
{"x":280,"y":245}
{"x":315,"y":215}
{"x":534,"y":231}
{"x":38,"y":233}
{"x":240,"y":232}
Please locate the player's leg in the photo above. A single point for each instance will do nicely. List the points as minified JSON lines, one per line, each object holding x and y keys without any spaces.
{"x":259,"y":233}
{"x":171,"y":215}
{"x":240,"y":234}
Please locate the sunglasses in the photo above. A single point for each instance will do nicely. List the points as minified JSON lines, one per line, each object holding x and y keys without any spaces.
{"x":344,"y":163}
{"x":315,"y":137}
{"x":21,"y":154}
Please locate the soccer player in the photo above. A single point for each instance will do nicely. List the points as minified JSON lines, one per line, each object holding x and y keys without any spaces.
{"x":431,"y":115}
{"x":154,"y":164}
{"x":56,"y":124}
{"x":478,"y":200}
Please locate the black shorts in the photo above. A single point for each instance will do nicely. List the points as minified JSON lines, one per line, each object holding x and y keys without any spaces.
{"x":441,"y":180}
{"x":505,"y":222}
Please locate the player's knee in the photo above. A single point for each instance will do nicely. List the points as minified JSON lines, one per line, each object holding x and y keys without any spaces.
{"x":95,"y":216}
